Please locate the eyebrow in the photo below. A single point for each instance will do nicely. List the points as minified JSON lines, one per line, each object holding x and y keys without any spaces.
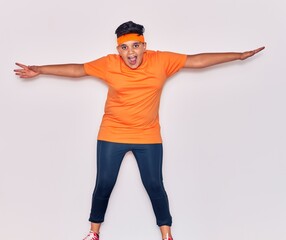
{"x":125,"y":45}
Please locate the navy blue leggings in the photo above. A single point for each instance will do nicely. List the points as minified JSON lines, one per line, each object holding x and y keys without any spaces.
{"x":149,"y":160}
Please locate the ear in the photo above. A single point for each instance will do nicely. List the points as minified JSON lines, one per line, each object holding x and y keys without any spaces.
{"x":119,"y":50}
{"x":145,"y":46}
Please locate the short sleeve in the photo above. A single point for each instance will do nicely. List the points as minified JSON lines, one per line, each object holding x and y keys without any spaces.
{"x":172,"y":62}
{"x":96,"y":68}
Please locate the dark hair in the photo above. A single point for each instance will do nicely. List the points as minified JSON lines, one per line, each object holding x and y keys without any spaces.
{"x":129,"y":27}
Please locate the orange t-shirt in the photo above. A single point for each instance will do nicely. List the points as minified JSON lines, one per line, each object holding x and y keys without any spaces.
{"x":132,"y":105}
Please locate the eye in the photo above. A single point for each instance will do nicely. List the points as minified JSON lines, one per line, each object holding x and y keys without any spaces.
{"x":123,"y":47}
{"x":136,"y":45}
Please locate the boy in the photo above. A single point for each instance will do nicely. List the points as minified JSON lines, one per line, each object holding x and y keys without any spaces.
{"x":135,"y":77}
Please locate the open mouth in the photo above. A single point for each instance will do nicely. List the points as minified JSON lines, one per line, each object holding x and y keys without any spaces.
{"x":132,"y":60}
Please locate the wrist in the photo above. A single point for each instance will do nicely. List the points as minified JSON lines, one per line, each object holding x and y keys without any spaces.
{"x":36,"y":69}
{"x":240,"y":56}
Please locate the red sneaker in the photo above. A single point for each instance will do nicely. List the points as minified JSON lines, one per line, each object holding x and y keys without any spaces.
{"x":92,"y":236}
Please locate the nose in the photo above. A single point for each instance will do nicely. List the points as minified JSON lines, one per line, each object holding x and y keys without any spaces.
{"x":130,"y":50}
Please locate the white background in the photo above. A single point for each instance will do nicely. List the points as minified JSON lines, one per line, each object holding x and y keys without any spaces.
{"x":223,"y":127}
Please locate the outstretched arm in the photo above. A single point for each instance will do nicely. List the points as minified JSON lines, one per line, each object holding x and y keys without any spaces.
{"x":65,"y":70}
{"x":209,"y":59}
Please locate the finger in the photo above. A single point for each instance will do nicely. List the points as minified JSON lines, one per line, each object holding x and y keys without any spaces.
{"x":21,"y":65}
{"x":23,"y":75}
{"x":20,"y":74}
{"x":259,"y":49}
{"x":21,"y":70}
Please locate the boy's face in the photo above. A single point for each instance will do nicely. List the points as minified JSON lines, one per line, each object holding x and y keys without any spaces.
{"x":132,"y":53}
